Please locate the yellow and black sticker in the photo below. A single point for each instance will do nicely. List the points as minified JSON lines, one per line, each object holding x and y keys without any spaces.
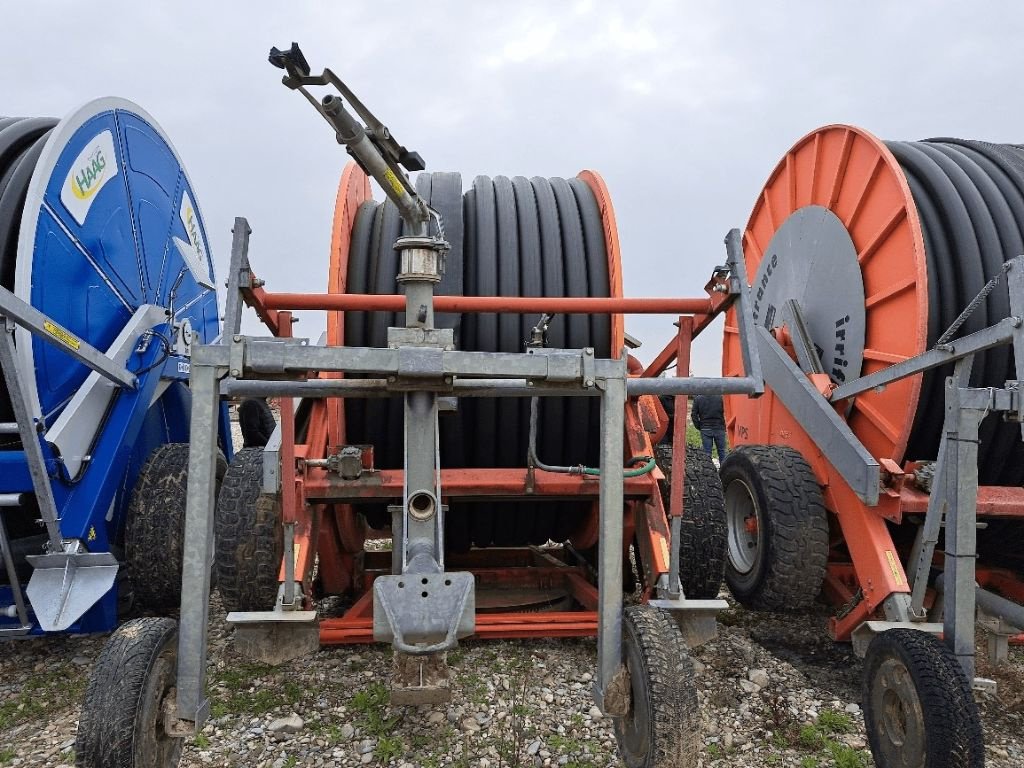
{"x":894,"y":566}
{"x":395,"y":183}
{"x":64,"y":337}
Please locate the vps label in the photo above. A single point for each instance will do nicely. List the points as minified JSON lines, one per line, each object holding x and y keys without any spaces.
{"x":95,"y":165}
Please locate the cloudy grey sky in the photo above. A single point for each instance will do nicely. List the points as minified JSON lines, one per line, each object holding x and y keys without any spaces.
{"x":683,"y":107}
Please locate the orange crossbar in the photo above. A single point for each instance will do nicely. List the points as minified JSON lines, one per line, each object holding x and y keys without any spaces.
{"x":489,"y":626}
{"x":993,"y":501}
{"x":510,"y":483}
{"x":506,"y":304}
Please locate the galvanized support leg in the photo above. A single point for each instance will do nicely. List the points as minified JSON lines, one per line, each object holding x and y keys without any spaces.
{"x":960,"y":488}
{"x":923,"y":551}
{"x":238,"y":274}
{"x":27,"y":431}
{"x":195,"y":578}
{"x":609,"y":576}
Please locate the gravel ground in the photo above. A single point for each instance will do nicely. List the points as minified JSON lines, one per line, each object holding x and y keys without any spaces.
{"x":774,"y":691}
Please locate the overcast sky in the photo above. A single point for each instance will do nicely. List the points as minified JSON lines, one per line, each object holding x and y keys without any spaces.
{"x":685,"y":108}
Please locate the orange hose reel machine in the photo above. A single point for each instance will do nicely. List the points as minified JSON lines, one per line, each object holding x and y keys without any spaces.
{"x":858,"y":245}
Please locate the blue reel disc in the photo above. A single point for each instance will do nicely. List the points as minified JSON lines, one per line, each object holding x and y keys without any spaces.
{"x":110,"y":223}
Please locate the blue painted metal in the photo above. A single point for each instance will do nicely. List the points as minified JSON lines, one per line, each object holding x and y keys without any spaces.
{"x":97,"y":254}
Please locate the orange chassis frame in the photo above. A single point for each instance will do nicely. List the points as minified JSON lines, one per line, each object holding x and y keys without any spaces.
{"x":329,"y":534}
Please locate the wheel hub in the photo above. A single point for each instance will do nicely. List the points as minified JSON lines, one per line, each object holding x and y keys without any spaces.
{"x":899,"y":718}
{"x":744,"y":527}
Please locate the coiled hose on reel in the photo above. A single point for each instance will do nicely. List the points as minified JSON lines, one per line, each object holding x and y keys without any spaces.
{"x":508,"y":237}
{"x":21,"y":143}
{"x":970,"y":199}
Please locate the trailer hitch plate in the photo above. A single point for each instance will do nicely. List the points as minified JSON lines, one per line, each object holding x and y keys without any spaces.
{"x":422,"y":613}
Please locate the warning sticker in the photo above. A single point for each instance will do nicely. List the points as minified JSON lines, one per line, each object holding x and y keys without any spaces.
{"x":394,"y":182}
{"x":64,"y":337}
{"x":894,"y":566}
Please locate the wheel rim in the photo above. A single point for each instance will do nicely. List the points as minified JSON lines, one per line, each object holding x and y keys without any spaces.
{"x":153,"y":745}
{"x":744,"y":525}
{"x":898,"y":716}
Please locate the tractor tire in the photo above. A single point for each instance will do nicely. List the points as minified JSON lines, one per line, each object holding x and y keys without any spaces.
{"x":777,"y":528}
{"x":250,"y":536}
{"x":154,"y":536}
{"x":662,"y":727}
{"x":122,"y":720}
{"x":919,"y":711}
{"x":703,"y":542}
{"x":256,"y":420}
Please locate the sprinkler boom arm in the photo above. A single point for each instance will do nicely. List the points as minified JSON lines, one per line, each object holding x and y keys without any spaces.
{"x":372,"y":145}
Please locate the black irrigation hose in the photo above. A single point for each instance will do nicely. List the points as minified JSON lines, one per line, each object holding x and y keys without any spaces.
{"x":21,"y":143}
{"x":509,"y":237}
{"x":970,"y":199}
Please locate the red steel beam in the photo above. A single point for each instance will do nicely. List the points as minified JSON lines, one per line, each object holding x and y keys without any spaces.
{"x":489,"y":626}
{"x":388,"y":483}
{"x":514,"y":304}
{"x":993,"y":501}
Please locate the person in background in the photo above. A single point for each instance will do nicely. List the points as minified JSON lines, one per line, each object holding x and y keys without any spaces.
{"x":669,"y":404}
{"x":708,"y":417}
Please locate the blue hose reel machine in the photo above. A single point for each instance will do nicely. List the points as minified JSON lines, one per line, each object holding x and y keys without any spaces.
{"x":103,"y":250}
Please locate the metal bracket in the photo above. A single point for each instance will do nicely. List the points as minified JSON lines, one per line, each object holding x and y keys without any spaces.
{"x":806,"y":354}
{"x":738,"y":285}
{"x":421,"y":613}
{"x":866,"y":631}
{"x":64,"y":585}
{"x":697,"y":619}
{"x":46,"y":329}
{"x":816,"y":415}
{"x":441,"y":338}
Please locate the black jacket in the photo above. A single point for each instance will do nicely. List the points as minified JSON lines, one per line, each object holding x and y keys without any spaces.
{"x":708,"y":413}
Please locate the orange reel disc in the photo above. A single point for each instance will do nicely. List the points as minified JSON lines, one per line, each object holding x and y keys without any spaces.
{"x":611,"y":241}
{"x":838,"y":188}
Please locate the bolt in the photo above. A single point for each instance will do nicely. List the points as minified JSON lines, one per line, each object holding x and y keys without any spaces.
{"x":296,"y":319}
{"x":589,"y":382}
{"x":529,"y":383}
{"x":588,"y":351}
{"x":392,"y":379}
{"x":448,"y":380}
{"x":234,"y":372}
{"x":237,"y":338}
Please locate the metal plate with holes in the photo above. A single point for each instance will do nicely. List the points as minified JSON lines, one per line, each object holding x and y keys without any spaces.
{"x":423,"y":609}
{"x":812,"y":259}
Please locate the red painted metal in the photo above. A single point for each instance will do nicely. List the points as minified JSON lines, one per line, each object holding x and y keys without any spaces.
{"x":497,"y":304}
{"x":993,"y":501}
{"x":489,"y":626}
{"x":466,"y":483}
